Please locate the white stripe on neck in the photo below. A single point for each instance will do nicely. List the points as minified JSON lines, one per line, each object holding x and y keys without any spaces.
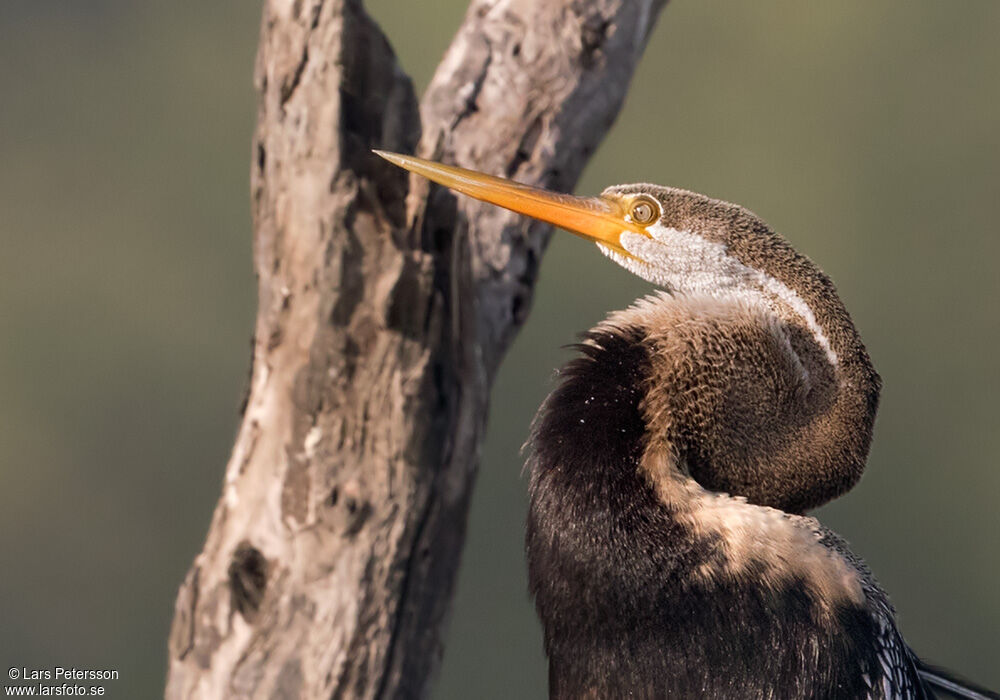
{"x":684,"y":262}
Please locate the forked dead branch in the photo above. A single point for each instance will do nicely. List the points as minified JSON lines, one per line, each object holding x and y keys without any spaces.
{"x":331,"y":557}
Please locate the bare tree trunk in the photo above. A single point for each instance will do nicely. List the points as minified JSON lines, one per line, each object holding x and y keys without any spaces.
{"x":385,"y":306}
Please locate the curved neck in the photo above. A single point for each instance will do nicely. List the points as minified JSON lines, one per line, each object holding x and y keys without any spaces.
{"x":747,"y":402}
{"x":785,"y":417}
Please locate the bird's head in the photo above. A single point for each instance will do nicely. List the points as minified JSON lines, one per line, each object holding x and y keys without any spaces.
{"x":616,"y":220}
{"x":679,"y":240}
{"x":682,"y":241}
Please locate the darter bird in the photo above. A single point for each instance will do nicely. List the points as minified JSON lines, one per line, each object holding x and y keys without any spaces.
{"x":668,"y":550}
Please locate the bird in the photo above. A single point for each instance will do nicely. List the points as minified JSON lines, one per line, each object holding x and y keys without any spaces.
{"x":669,"y":549}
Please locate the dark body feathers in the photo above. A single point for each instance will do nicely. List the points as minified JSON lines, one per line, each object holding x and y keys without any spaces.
{"x":612,"y":570}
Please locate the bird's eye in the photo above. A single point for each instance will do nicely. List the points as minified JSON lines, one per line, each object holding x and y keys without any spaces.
{"x":644,"y":211}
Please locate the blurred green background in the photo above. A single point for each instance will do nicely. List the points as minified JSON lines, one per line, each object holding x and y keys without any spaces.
{"x":869,"y":133}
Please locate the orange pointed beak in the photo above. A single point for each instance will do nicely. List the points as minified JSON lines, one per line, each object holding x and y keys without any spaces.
{"x":597,"y":219}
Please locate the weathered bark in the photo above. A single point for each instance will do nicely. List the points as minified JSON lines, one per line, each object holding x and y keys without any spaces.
{"x":385,"y":306}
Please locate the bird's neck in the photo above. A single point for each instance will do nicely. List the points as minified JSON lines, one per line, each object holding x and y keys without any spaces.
{"x":718,"y":251}
{"x":746,"y":401}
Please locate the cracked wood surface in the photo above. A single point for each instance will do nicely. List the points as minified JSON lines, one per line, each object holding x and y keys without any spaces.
{"x":385,"y":307}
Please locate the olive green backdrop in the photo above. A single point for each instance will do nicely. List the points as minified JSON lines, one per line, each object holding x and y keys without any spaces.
{"x":869,"y":133}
